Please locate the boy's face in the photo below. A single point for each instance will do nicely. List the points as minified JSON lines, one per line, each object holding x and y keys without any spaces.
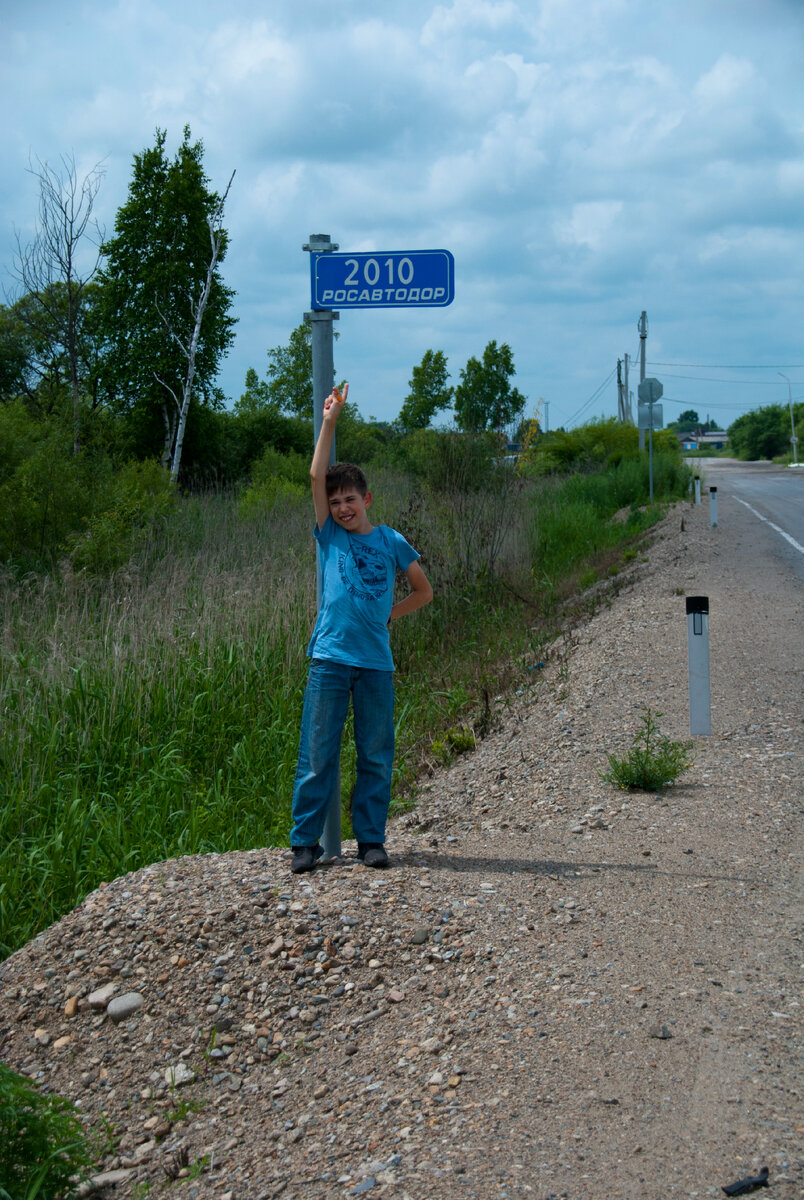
{"x":348,"y":509}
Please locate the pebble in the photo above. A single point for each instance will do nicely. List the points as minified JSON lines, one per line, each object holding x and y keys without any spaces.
{"x":365,"y":1186}
{"x":106,"y":1179}
{"x":100,"y":998}
{"x":179,"y":1075}
{"x":125,"y":1006}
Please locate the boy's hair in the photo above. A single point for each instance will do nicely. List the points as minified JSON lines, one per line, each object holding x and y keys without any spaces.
{"x":345,"y":475}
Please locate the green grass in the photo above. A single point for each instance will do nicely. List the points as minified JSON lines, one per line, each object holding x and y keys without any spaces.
{"x":42,"y":1143}
{"x":156,"y":713}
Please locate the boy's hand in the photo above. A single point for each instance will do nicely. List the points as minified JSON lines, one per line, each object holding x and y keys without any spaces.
{"x":335,"y":401}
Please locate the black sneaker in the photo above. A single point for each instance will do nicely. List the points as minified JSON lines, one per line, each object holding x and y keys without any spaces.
{"x":372,"y":854}
{"x":305,"y":858}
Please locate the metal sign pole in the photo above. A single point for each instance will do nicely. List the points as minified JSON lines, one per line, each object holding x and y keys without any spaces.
{"x":388,"y":279}
{"x":650,"y":392}
{"x":322,"y":343}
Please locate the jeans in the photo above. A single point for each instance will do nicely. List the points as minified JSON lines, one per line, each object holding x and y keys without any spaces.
{"x":326,"y":703}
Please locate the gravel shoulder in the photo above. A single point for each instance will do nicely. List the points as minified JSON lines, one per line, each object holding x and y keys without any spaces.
{"x":559,"y":990}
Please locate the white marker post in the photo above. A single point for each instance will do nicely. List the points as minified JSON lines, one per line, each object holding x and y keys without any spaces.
{"x":713,"y":507}
{"x":697,"y":489}
{"x":698,"y":659}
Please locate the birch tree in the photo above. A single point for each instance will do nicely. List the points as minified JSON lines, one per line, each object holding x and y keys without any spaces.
{"x":198,"y":308}
{"x":165,"y":309}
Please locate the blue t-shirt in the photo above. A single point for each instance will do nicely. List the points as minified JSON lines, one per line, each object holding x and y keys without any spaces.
{"x":358,"y":572}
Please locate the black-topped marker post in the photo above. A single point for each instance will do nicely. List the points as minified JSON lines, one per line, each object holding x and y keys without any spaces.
{"x":698,"y":659}
{"x":713,"y":506}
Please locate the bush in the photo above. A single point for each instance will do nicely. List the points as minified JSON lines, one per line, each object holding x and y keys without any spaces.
{"x":43,"y":1148}
{"x":599,"y":444}
{"x":43,"y":496}
{"x":135,"y":499}
{"x":452,"y":462}
{"x":764,"y":432}
{"x":652,"y":762}
{"x":275,"y":477}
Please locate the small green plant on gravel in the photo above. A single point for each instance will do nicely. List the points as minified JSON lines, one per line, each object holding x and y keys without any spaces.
{"x":104,"y":1137}
{"x":43,"y":1149}
{"x":454,"y":741}
{"x":198,"y":1167}
{"x":653,"y":760}
{"x":183,"y":1108}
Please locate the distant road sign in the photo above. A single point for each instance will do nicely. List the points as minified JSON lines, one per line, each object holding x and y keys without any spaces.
{"x":650,"y":390}
{"x":395,"y":279}
{"x":651,"y":416}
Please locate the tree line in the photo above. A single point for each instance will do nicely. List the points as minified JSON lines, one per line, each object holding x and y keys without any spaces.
{"x":119,"y":339}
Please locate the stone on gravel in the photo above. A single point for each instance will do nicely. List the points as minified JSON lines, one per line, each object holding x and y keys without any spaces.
{"x":100,"y":998}
{"x":179,"y":1075}
{"x":122,"y":1007}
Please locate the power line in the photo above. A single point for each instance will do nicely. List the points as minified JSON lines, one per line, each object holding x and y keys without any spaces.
{"x":690,"y":404}
{"x":733,"y":366}
{"x":707,"y":379}
{"x":592,"y":398}
{"x":747,"y":405}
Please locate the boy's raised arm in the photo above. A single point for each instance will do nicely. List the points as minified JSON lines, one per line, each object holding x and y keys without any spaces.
{"x":333,"y":406}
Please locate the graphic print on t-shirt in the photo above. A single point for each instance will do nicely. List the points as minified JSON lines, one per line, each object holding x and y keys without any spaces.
{"x":364,"y":572}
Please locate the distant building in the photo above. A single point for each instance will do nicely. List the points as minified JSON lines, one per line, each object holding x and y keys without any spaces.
{"x":701,"y":441}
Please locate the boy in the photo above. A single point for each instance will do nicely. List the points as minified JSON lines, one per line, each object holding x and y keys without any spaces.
{"x":350,"y":655}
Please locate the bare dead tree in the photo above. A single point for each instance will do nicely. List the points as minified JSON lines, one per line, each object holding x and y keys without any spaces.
{"x":53,"y":269}
{"x":176,"y":424}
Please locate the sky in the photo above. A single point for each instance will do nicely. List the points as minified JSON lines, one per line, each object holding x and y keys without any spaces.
{"x":583,"y":161}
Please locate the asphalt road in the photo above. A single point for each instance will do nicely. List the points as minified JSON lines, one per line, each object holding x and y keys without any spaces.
{"x":773,"y":496}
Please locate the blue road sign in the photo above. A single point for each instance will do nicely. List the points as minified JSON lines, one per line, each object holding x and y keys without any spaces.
{"x":396,"y":279}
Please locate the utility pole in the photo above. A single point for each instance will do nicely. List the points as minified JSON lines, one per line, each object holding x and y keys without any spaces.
{"x":547,"y":416}
{"x":629,"y":414}
{"x":793,"y":439}
{"x":643,"y":337}
{"x":620,"y":402}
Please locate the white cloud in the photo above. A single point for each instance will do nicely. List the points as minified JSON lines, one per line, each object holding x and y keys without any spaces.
{"x":727,"y":79}
{"x":590,"y":225}
{"x":464,"y":15}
